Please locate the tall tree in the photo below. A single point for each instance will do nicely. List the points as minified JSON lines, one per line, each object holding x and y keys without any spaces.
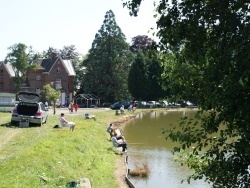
{"x":137,"y":80}
{"x":47,"y":53}
{"x":154,"y":71}
{"x":142,"y":42}
{"x":19,"y":59}
{"x":210,"y":40}
{"x":69,"y":52}
{"x":145,"y":72}
{"x":108,"y":62}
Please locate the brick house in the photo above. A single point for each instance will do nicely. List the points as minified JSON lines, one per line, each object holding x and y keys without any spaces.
{"x":54,"y":69}
{"x":6,"y":78}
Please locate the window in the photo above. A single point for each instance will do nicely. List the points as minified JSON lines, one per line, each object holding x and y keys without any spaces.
{"x":1,"y":85}
{"x":38,"y":77}
{"x":58,"y":70}
{"x":38,"y":91}
{"x":1,"y":72}
{"x":58,"y":84}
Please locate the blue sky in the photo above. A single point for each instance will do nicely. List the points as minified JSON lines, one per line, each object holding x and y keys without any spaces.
{"x":57,"y":23}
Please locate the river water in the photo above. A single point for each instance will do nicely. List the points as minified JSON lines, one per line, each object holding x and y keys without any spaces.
{"x":147,"y":145}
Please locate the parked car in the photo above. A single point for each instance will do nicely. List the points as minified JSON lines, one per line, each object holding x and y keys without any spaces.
{"x":29,"y":109}
{"x":154,"y":104}
{"x":171,"y":105}
{"x":117,"y":105}
{"x":165,"y":103}
{"x":141,"y":104}
{"x":190,"y":104}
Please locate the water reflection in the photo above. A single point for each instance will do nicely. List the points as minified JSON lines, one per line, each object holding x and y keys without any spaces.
{"x":147,"y":145}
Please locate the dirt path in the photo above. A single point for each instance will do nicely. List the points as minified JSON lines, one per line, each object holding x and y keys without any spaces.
{"x":120,"y":172}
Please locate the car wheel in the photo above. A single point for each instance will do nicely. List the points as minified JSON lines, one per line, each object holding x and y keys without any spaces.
{"x":13,"y":123}
{"x":41,"y":123}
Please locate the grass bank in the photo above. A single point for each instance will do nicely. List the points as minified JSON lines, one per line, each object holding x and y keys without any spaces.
{"x":47,"y":157}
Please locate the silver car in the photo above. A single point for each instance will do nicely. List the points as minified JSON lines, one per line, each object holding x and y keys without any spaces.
{"x":29,"y":110}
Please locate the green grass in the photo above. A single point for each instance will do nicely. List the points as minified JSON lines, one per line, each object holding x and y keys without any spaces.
{"x":45,"y":157}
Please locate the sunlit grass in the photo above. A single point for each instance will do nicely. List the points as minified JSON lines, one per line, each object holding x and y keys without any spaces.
{"x":47,"y":157}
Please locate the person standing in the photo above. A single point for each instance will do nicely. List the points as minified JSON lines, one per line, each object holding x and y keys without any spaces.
{"x":46,"y":104}
{"x":110,"y":130}
{"x":75,"y":107}
{"x":122,"y":109}
{"x":71,"y":107}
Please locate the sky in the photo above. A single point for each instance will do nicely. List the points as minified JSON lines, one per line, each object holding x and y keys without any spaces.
{"x":58,"y":23}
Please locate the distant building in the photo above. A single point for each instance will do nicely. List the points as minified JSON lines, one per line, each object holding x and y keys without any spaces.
{"x":54,"y":69}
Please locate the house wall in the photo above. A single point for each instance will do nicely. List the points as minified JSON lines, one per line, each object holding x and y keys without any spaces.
{"x":35,"y":79}
{"x":6,"y":82}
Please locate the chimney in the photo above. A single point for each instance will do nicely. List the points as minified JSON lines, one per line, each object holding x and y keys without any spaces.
{"x":53,"y":55}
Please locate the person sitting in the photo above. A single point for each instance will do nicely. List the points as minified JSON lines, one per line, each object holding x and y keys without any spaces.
{"x":88,"y":116}
{"x":117,"y":144}
{"x":65,"y":123}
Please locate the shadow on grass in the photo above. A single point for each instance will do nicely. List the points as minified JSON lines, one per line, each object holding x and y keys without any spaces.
{"x":16,"y":125}
{"x":7,"y":125}
{"x":115,"y":150}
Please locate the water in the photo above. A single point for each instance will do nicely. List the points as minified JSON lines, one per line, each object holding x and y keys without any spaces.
{"x":147,"y":145}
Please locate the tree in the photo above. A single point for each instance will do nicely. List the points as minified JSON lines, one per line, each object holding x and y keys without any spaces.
{"x":209,"y":45}
{"x":142,"y":42}
{"x":69,"y":52}
{"x":154,"y":71}
{"x":108,"y":62}
{"x":145,"y":72}
{"x":137,"y":80}
{"x":19,"y":59}
{"x":51,"y":94}
{"x":47,"y":53}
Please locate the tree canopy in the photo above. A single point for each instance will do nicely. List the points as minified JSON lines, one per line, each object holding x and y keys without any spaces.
{"x":108,"y":62}
{"x":144,"y":79}
{"x":207,"y":43}
{"x":20,"y":58}
{"x":51,"y":94}
{"x":137,"y":83}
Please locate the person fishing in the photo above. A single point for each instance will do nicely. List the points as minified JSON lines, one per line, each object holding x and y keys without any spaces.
{"x":117,"y":143}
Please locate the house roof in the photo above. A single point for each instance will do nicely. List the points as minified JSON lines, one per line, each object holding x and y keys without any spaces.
{"x":45,"y":64}
{"x":87,"y":96}
{"x":69,"y":67}
{"x":8,"y":68}
{"x":48,"y":63}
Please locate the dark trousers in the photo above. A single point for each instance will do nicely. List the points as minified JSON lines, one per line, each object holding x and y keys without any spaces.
{"x":123,"y":145}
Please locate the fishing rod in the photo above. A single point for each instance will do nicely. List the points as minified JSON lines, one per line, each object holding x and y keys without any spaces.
{"x":135,"y":143}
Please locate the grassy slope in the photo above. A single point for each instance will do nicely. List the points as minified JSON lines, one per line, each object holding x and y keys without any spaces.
{"x":46,"y":157}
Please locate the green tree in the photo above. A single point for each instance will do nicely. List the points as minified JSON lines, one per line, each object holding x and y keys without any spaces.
{"x":154,"y":71}
{"x":142,"y":42}
{"x":47,"y":53}
{"x":144,"y":79}
{"x":51,"y":94}
{"x":69,"y":52}
{"x":19,"y":59}
{"x":108,"y":63}
{"x":137,"y":84}
{"x":209,"y":42}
